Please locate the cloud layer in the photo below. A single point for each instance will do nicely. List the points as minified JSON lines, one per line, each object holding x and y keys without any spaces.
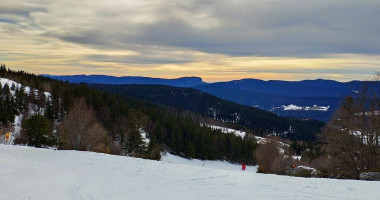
{"x":218,"y":40}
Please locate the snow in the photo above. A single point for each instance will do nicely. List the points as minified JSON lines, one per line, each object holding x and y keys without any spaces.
{"x":16,"y":127}
{"x":307,"y":108}
{"x":375,"y":113}
{"x":33,"y":109}
{"x":306,"y":167}
{"x":5,"y":81}
{"x":226,"y":130}
{"x":296,"y":157}
{"x":366,"y":138}
{"x":169,"y":158}
{"x":31,"y":173}
{"x":48,"y":96}
{"x":292,"y":107}
{"x":260,"y":140}
{"x":144,"y":136}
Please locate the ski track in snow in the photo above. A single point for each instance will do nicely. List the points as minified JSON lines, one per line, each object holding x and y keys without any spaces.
{"x":31,"y":173}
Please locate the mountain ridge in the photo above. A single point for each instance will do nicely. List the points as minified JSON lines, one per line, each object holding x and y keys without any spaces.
{"x":270,"y":95}
{"x":188,"y":81}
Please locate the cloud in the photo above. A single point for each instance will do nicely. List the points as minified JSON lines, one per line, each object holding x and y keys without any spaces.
{"x":23,"y":9}
{"x":279,"y":28}
{"x":225,"y":36}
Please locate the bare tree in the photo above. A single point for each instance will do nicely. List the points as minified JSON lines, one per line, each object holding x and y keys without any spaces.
{"x":80,"y":130}
{"x":352,"y":135}
{"x":266,"y":154}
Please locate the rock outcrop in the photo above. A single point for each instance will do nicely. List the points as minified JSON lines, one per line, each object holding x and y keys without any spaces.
{"x":301,"y":171}
{"x":370,"y":176}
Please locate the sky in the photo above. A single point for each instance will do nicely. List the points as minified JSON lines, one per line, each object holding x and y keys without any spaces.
{"x":217,"y":40}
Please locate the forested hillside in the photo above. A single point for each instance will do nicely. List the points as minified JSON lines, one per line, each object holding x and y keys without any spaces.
{"x":260,"y":121}
{"x":107,"y":123}
{"x":276,"y":102}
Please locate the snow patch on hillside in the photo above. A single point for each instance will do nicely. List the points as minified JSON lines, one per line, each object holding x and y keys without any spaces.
{"x":226,"y":130}
{"x":305,"y":108}
{"x":27,"y":90}
{"x":31,"y":173}
{"x":10,"y":83}
{"x":144,"y":136}
{"x":260,"y":140}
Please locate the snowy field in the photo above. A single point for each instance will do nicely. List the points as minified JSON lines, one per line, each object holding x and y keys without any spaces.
{"x":31,"y":173}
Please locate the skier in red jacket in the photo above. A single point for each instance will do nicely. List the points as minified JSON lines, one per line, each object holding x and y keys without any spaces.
{"x":242,"y":166}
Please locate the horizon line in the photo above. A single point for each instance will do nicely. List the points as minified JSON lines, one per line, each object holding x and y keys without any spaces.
{"x":179,"y":77}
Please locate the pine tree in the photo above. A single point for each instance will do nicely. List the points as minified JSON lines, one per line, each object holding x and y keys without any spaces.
{"x":154,"y":150}
{"x":37,"y":131}
{"x":135,"y":143}
{"x":189,"y":150}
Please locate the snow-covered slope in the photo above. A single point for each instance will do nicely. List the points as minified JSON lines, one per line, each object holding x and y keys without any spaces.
{"x":30,"y":173}
{"x":33,"y":109}
{"x":5,"y":81}
{"x":169,"y":158}
{"x":226,"y":130}
{"x":260,"y":140}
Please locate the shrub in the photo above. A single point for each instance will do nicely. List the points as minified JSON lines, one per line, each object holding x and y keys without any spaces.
{"x":260,"y":169}
{"x":304,"y":173}
{"x":265,"y":155}
{"x":278,"y":165}
{"x":372,"y":170}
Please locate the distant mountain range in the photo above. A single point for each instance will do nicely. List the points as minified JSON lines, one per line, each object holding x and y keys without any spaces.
{"x":316,"y":99}
{"x":104,"y":79}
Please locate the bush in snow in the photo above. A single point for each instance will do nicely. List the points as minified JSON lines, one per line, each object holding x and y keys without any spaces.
{"x":270,"y":160}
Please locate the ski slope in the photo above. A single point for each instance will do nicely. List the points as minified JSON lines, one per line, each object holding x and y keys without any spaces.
{"x":31,"y":173}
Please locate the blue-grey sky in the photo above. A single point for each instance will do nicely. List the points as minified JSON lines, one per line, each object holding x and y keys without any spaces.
{"x":216,"y":40}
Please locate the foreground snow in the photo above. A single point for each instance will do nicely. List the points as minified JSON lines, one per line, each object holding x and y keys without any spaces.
{"x":30,"y":173}
{"x":169,"y":158}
